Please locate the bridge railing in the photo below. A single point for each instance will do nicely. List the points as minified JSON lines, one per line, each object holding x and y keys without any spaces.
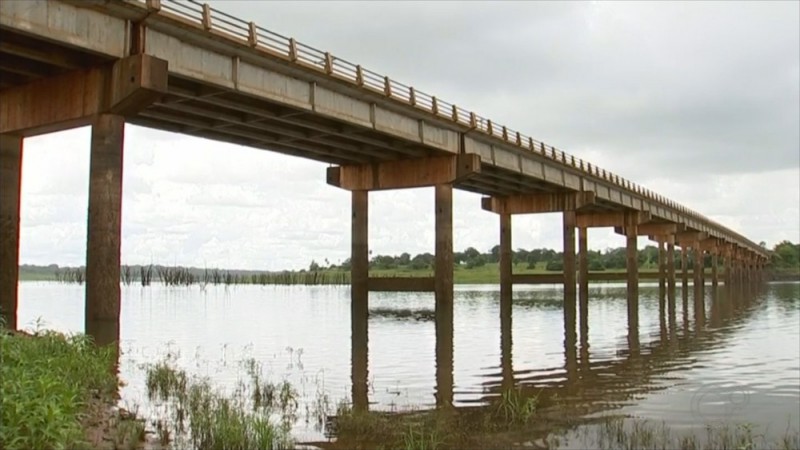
{"x":284,"y":47}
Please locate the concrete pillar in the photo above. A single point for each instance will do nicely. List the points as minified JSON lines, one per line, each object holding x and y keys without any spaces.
{"x":359,"y":299}
{"x":726,"y":267}
{"x":685,"y":266}
{"x":105,"y":220}
{"x":506,"y":267}
{"x":444,"y":295}
{"x":569,"y":222}
{"x":671,"y":279}
{"x":583,"y":283}
{"x":632,"y":267}
{"x":698,"y":265}
{"x":662,"y":277}
{"x":10,"y":178}
{"x":714,"y":272}
{"x":506,"y":289}
{"x":506,"y":364}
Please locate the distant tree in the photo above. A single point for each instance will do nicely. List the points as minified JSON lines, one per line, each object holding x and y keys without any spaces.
{"x":404,"y":259}
{"x":786,"y":254}
{"x":314,"y":267}
{"x":383,"y":262}
{"x":494,"y":254}
{"x":471,"y":253}
{"x":422,"y":261}
{"x":615,"y":258}
{"x":476,"y":261}
{"x":596,"y":265}
{"x":555,"y":266}
{"x":520,"y":256}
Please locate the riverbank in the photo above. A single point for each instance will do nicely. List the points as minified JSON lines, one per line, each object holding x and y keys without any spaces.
{"x":59,"y":391}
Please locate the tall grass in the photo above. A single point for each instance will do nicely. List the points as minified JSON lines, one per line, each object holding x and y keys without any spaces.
{"x":198,"y":416}
{"x":46,"y":383}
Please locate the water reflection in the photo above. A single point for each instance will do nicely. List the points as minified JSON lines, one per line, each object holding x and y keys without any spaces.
{"x":584,"y":386}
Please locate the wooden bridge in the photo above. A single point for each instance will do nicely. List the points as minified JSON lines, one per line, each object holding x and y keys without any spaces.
{"x":182,"y":66}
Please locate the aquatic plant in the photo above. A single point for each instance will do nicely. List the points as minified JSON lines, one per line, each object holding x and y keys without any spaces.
{"x":206,"y":419}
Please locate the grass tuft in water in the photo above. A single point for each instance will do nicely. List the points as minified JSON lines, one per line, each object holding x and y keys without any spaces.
{"x":203,"y":418}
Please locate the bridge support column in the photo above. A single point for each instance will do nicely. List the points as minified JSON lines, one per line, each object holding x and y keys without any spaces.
{"x":569,"y":274}
{"x":359,"y":299}
{"x":583,"y":282}
{"x":684,"y":266}
{"x":10,"y":178}
{"x":671,"y":280}
{"x":632,"y":267}
{"x":104,"y":223}
{"x":506,"y":297}
{"x":714,"y":270}
{"x":506,"y":268}
{"x":726,"y":266}
{"x":444,"y":295}
{"x":662,"y":275}
{"x":698,"y":265}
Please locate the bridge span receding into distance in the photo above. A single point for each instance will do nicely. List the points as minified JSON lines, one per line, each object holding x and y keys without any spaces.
{"x":185,"y":67}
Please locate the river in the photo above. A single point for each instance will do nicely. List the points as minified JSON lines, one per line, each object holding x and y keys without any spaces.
{"x":736,"y":361}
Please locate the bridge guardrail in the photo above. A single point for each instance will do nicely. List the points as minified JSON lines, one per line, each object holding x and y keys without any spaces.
{"x":287,"y":48}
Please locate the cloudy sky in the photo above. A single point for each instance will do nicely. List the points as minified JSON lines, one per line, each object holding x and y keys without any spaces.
{"x":697,"y":101}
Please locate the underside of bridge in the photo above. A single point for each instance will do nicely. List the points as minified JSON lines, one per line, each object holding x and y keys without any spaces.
{"x":47,"y":85}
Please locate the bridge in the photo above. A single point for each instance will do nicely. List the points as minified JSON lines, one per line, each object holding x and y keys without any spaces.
{"x":185,"y":67}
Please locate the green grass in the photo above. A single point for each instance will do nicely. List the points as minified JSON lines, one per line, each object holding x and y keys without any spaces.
{"x":47,"y":381}
{"x":197,"y":416}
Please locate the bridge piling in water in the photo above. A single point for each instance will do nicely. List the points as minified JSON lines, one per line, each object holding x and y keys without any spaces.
{"x":583,"y":282}
{"x":359,"y":298}
{"x":10,"y":179}
{"x":444,"y":294}
{"x":104,"y":224}
{"x":569,"y":223}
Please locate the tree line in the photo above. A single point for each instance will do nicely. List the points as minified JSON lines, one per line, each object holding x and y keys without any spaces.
{"x":785,"y":255}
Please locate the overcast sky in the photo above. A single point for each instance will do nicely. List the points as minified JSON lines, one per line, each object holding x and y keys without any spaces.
{"x":697,"y":101}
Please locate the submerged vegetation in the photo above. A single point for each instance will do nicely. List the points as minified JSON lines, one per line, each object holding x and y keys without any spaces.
{"x":192,"y":414}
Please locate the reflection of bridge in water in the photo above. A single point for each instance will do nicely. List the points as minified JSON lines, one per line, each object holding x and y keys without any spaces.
{"x":584,"y":386}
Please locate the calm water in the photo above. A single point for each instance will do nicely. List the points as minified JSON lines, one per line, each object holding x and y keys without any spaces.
{"x":737,"y":360}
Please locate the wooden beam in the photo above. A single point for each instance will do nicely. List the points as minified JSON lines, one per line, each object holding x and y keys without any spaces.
{"x":710,"y":245}
{"x":123,"y":88}
{"x":612,"y":219}
{"x":401,"y":284}
{"x":654,"y":229}
{"x":406,"y":173}
{"x":538,"y":203}
{"x":60,"y":59}
{"x":688,"y":238}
